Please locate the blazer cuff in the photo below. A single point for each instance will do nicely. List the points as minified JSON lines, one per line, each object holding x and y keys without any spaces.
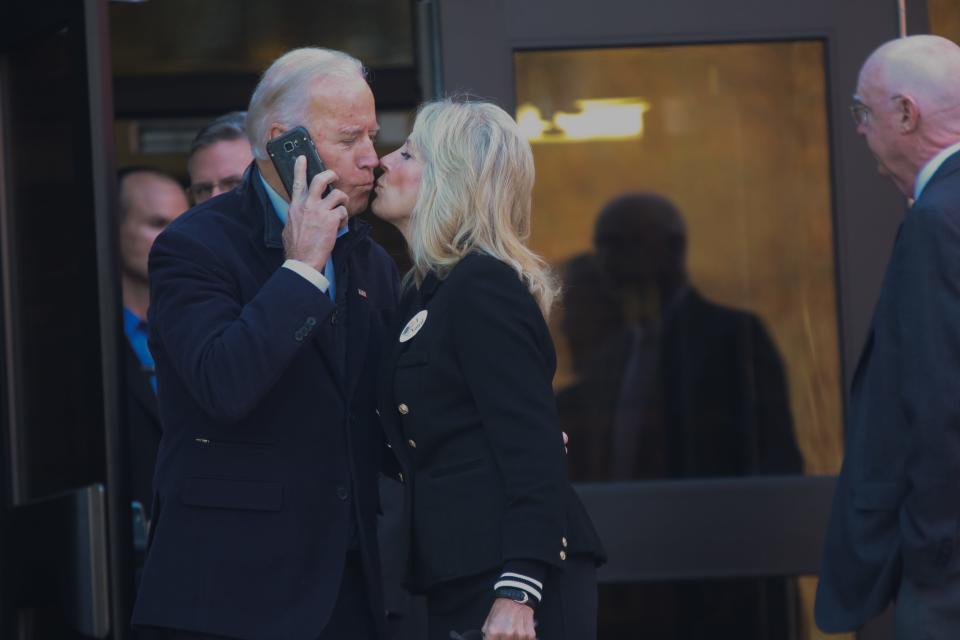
{"x":308,"y":273}
{"x":523,"y":574}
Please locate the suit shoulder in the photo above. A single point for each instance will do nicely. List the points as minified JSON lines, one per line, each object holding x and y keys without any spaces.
{"x":481,"y":285}
{"x":480,"y":281}
{"x":935,"y":218}
{"x":941,"y":196}
{"x":477,"y":268}
{"x":699,"y":305}
{"x":217,"y":215}
{"x":212,"y":222}
{"x":943,"y":190}
{"x":720,"y":318}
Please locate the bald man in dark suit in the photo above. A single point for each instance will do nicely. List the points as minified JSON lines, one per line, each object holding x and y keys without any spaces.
{"x":893,"y":530}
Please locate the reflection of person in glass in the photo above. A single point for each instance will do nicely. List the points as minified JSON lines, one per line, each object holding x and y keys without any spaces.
{"x":498,"y":536}
{"x":687,"y":387}
{"x":671,"y":385}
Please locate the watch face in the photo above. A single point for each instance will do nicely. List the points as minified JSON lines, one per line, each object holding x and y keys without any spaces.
{"x":517,"y":595}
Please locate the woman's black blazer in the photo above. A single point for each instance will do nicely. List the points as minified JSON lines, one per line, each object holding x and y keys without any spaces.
{"x":469,"y":411}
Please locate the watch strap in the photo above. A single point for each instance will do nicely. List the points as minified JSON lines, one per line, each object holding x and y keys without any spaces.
{"x":516,"y":594}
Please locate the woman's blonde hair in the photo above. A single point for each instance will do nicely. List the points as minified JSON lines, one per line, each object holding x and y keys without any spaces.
{"x":475,"y":193}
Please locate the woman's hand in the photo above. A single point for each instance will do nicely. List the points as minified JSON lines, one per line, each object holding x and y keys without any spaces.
{"x":509,"y":620}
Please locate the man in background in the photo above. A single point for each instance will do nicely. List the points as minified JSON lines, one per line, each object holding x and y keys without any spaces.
{"x":148,"y":201}
{"x":893,"y":529}
{"x":218,"y":156}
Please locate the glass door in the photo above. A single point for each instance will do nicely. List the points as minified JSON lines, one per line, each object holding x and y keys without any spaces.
{"x":721,"y":233}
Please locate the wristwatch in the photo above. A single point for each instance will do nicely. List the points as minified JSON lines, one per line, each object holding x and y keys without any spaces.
{"x":517,"y":595}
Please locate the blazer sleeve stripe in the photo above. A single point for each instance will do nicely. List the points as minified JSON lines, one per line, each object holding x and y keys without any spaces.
{"x":535,"y":583}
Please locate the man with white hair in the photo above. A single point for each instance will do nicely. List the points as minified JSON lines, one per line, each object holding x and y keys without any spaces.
{"x":266,"y":320}
{"x":894,"y":526}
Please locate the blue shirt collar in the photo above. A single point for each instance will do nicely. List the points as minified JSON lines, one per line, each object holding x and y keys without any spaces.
{"x":282,"y":208}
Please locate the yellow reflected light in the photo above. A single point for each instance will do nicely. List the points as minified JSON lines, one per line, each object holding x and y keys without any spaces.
{"x":602,"y":119}
{"x":532,"y":124}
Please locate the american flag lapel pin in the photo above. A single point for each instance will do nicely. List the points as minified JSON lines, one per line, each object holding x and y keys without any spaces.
{"x":363,"y":294}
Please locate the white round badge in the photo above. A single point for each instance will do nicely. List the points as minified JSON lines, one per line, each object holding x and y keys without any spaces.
{"x":415,"y":324}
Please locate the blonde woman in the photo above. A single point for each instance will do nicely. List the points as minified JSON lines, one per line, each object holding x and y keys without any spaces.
{"x":499,"y":542}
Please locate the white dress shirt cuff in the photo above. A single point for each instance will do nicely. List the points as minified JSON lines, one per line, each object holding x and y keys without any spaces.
{"x":308,"y":273}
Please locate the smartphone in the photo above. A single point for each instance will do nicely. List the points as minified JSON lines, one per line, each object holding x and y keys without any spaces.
{"x":284,"y":151}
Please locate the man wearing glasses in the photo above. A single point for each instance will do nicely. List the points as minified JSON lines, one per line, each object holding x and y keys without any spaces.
{"x":893,"y":531}
{"x":218,"y":157}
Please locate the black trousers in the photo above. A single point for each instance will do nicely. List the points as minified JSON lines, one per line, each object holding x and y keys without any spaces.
{"x":352,"y":615}
{"x":568,"y":610}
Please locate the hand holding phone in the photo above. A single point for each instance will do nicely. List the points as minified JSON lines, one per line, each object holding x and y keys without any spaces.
{"x":284,"y":151}
{"x":313,"y":219}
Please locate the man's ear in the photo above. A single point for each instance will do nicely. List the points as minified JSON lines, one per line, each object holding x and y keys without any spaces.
{"x":276,"y":129}
{"x":909,"y":114}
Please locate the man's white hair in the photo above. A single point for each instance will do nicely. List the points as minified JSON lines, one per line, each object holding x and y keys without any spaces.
{"x":283,"y":93}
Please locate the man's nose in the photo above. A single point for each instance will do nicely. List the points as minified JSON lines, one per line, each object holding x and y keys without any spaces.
{"x":368,"y":157}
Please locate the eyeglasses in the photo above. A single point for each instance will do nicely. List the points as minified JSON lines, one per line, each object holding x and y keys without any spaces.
{"x":861,"y":112}
{"x":201,"y":191}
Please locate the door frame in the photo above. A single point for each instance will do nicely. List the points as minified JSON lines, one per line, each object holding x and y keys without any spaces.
{"x":103,"y":544}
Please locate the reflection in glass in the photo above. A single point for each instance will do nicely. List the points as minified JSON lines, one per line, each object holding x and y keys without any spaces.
{"x":735,"y":136}
{"x":672,"y":385}
{"x":610,"y":119}
{"x":698,"y":336}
